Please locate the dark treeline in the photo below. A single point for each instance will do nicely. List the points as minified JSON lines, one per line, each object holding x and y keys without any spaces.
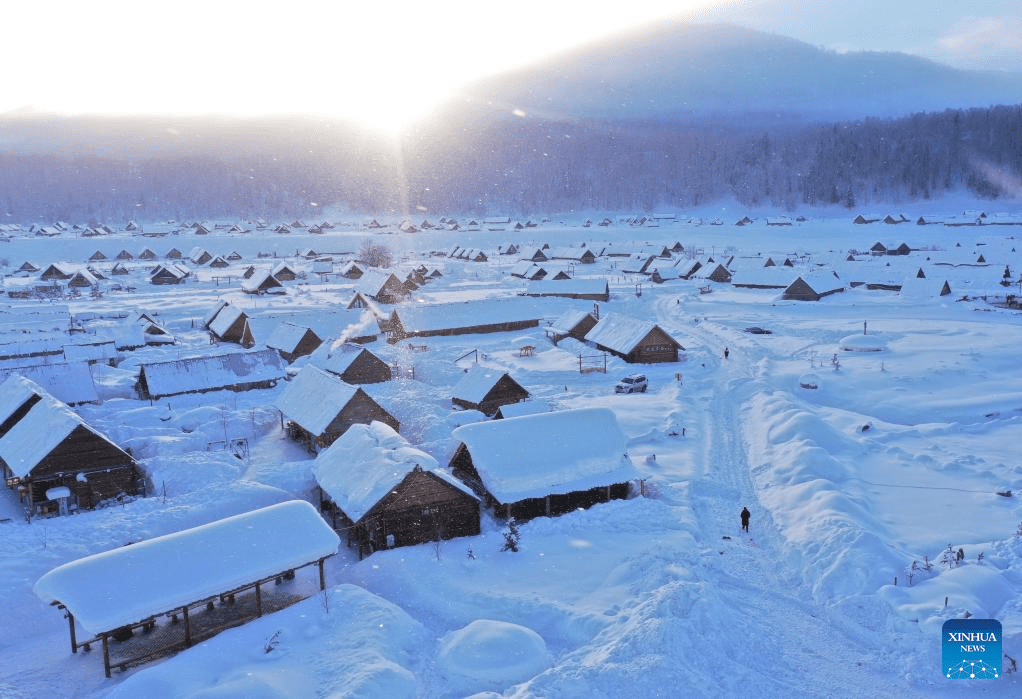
{"x":521,"y":167}
{"x":525,"y":167}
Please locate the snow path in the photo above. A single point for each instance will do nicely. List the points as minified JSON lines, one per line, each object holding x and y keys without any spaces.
{"x":807,"y":649}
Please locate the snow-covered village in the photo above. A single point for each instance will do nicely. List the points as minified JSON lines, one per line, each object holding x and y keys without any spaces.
{"x":500,"y":457}
{"x":532,"y":350}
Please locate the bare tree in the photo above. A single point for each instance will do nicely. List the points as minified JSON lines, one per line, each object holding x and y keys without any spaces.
{"x":375,"y":254}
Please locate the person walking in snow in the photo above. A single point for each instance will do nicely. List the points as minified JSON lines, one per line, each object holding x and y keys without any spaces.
{"x":726,"y":352}
{"x":745,"y":518}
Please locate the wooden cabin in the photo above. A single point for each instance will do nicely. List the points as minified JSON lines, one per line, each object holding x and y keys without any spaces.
{"x":485,"y":390}
{"x":293,"y":341}
{"x":169,"y":273}
{"x":572,"y":324}
{"x":53,"y":459}
{"x":357,"y":365}
{"x":813,"y":287}
{"x":229,"y":323}
{"x":633,"y":339}
{"x":319,"y":408}
{"x":383,"y":493}
{"x":545,"y":464}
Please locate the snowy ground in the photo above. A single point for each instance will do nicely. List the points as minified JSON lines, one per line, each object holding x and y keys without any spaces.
{"x":656,"y":596}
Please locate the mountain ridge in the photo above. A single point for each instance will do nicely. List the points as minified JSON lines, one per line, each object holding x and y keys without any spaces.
{"x":684,"y":71}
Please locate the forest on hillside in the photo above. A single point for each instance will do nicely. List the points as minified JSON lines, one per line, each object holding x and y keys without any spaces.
{"x":476,"y":164}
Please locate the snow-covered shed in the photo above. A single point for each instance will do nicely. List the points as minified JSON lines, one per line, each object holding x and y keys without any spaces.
{"x":199,"y":255}
{"x":545,"y":464}
{"x":68,"y":382}
{"x":381,"y":286}
{"x":484,"y":316}
{"x":237,"y":371}
{"x":586,"y":289}
{"x":527,"y":269}
{"x":813,"y":286}
{"x":485,"y":390}
{"x":385,"y":493}
{"x":293,"y":341}
{"x":261,"y":282}
{"x":45,"y":445}
{"x":633,"y":339}
{"x":169,"y":273}
{"x":581,"y":255}
{"x":229,"y":323}
{"x":284,"y":272}
{"x":351,"y":270}
{"x":319,"y":408}
{"x":571,"y":323}
{"x":83,"y":278}
{"x":171,"y":584}
{"x":356,"y":365}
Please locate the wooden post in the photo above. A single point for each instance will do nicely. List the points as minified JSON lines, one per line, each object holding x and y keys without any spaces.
{"x":188,"y":628}
{"x":71,"y":625}
{"x":259,"y":600}
{"x":322,"y":575}
{"x":106,"y":655}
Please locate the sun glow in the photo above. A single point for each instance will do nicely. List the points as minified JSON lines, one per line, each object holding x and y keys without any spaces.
{"x":383,"y":65}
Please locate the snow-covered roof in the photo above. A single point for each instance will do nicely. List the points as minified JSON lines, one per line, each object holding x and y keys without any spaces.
{"x":476,"y":383}
{"x":70,"y":382}
{"x":361,"y":467}
{"x":619,"y":332}
{"x":14,"y":391}
{"x":524,"y":268}
{"x":567,"y":321}
{"x":314,"y":398}
{"x":206,"y":373}
{"x":548,"y":453}
{"x":341,"y":357}
{"x":564,"y":287}
{"x":466,"y":314}
{"x":36,"y":434}
{"x":373,"y":281}
{"x":224,"y":319}
{"x":131,"y":583}
{"x":777,"y":276}
{"x":286,"y":337}
{"x":524,"y":407}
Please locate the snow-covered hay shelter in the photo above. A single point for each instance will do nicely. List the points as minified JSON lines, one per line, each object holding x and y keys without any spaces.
{"x":545,"y":464}
{"x":385,"y":493}
{"x":182,"y":588}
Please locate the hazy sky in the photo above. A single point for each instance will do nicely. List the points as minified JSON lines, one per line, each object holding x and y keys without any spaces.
{"x":385,"y":63}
